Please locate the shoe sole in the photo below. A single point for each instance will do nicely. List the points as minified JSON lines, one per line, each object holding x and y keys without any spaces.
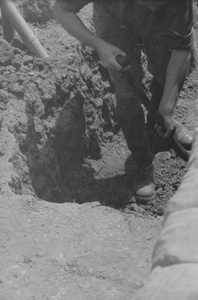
{"x":187,"y":147}
{"x":144,"y":200}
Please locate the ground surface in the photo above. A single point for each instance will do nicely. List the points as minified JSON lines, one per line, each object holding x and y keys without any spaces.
{"x":77,"y":239}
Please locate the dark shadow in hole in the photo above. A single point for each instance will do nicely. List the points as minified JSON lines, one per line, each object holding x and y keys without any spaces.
{"x":54,"y":150}
{"x":114,"y":191}
{"x":49,"y":153}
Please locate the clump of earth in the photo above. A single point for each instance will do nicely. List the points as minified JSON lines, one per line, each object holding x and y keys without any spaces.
{"x":67,"y":230}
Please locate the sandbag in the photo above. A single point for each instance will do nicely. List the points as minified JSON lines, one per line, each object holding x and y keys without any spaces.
{"x":178,"y":282}
{"x":186,"y":196}
{"x":178,"y":240}
{"x":187,"y":193}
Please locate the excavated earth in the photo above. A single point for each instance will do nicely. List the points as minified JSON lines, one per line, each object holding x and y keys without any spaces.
{"x":67,"y":230}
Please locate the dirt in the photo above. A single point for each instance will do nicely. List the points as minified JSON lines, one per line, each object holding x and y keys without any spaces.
{"x":67,"y":228}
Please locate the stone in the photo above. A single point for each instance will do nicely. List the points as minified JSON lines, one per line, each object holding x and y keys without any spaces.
{"x":6,"y":53}
{"x":17,"y":61}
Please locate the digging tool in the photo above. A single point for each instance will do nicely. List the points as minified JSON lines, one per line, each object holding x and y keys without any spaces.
{"x":154,"y":115}
{"x":15,"y":19}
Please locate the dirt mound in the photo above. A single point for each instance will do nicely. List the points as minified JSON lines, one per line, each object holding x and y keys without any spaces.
{"x":35,"y":10}
{"x":55,"y":112}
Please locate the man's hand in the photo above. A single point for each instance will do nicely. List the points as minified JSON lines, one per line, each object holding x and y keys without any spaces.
{"x":74,"y":26}
{"x":169,"y":124}
{"x":177,"y":70}
{"x":108,"y":54}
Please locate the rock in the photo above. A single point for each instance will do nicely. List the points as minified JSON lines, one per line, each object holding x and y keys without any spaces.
{"x":17,"y":61}
{"x":27,"y":59}
{"x":31,"y":11}
{"x":17,"y":89}
{"x":19,"y":45}
{"x":6,"y":53}
{"x":4,"y":96}
{"x":37,"y":10}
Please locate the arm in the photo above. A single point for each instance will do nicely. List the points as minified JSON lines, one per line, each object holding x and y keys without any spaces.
{"x":74,"y":26}
{"x":177,"y":71}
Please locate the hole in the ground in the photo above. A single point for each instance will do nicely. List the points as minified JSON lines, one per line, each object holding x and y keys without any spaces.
{"x":65,"y":119}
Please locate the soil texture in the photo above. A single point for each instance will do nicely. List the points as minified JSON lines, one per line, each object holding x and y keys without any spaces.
{"x":70,"y":226}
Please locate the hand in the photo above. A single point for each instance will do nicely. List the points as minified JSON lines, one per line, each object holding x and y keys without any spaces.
{"x":108,"y":54}
{"x":169,"y":124}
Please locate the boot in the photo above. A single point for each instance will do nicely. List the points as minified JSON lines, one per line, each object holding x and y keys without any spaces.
{"x":144,"y":187}
{"x":183,"y":135}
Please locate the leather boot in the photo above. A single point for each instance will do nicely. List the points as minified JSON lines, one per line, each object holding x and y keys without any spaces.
{"x":183,"y":135}
{"x":144,"y":186}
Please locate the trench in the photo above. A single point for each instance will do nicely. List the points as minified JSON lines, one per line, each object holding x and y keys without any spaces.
{"x":59,"y":114}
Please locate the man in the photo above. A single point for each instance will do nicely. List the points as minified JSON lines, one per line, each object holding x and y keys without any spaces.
{"x":163,"y":30}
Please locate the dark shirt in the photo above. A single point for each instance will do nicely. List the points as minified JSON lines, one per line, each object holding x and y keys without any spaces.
{"x":173,"y":21}
{"x":73,"y":5}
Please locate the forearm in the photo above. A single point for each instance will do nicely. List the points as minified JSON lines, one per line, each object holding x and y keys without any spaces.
{"x":177,"y":71}
{"x":74,"y":26}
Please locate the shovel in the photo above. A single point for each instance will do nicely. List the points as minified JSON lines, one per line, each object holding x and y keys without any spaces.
{"x":154,"y":115}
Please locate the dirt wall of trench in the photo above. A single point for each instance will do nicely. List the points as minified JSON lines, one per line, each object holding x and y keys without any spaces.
{"x":35,"y":10}
{"x":53,"y":113}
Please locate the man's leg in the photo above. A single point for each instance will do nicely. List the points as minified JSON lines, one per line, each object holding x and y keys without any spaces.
{"x":129,"y":111}
{"x":131,"y":118}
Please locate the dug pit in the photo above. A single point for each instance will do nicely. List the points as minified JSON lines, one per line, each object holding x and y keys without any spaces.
{"x":57,"y":112}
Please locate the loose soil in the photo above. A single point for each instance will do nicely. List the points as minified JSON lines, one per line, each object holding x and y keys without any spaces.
{"x":67,"y":228}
